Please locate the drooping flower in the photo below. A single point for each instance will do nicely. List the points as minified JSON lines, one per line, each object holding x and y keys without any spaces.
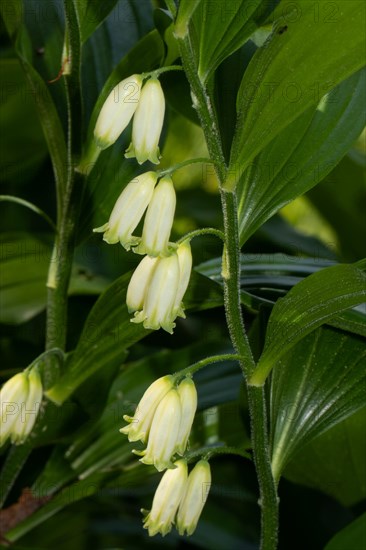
{"x":140,"y":424}
{"x":188,"y":397}
{"x":163,"y":432}
{"x":147,"y":124}
{"x":20,"y":399}
{"x":158,"y":220}
{"x":167,"y":497}
{"x":117,"y":111}
{"x":194,"y":498}
{"x":128,"y":211}
{"x":185,"y":267}
{"x":139,"y":284}
{"x":158,"y":308}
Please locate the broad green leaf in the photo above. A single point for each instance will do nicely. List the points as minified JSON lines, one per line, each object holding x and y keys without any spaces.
{"x":24,"y":266}
{"x":220,"y":28}
{"x":352,"y":536}
{"x":266,"y":277}
{"x":301,"y":155}
{"x":91,"y":14}
{"x":334,"y":462}
{"x":317,"y":384}
{"x":308,"y":305}
{"x":290,"y":73}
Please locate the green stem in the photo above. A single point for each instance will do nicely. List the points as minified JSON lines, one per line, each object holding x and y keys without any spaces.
{"x":210,"y":451}
{"x":171,"y":7}
{"x":157,"y":72}
{"x":203,"y":363}
{"x":62,"y":256}
{"x":199,"y":232}
{"x":231,"y":275}
{"x":172,"y":169}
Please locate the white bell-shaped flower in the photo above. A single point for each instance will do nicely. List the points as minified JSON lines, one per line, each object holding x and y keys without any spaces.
{"x":163,"y":432}
{"x":29,"y":409}
{"x":128,"y":211}
{"x":158,"y":309}
{"x":139,"y":284}
{"x":117,"y":111}
{"x":147,"y":124}
{"x":188,"y":397}
{"x":13,"y":395}
{"x":158,"y":220}
{"x":167,"y":498}
{"x":184,"y":254}
{"x":140,"y":424}
{"x":194,"y":498}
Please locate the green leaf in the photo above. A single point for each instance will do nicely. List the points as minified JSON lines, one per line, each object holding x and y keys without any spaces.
{"x":352,"y":536}
{"x":301,"y":155}
{"x":290,"y":73}
{"x":314,"y":386}
{"x":30,"y":206}
{"x":334,"y":462}
{"x":91,"y":14}
{"x":185,"y":12}
{"x":219,"y":29}
{"x":308,"y":305}
{"x":265,"y":277}
{"x":47,"y":112}
{"x":24,"y":266}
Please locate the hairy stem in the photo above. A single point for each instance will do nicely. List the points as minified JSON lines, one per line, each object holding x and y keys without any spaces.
{"x":231,"y":275}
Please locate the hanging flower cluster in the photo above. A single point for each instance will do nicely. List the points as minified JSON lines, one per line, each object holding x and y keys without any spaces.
{"x":129,"y":98}
{"x":157,"y":287}
{"x":163,"y":420}
{"x":179,"y":499}
{"x":20,"y":399}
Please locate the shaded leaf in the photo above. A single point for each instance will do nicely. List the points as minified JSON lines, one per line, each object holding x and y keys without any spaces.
{"x":308,"y":305}
{"x":301,"y":155}
{"x":334,"y":462}
{"x":313,"y":387}
{"x":352,"y":536}
{"x":290,"y":73}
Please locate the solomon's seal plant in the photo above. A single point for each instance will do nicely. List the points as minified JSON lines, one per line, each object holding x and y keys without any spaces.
{"x":221,"y":145}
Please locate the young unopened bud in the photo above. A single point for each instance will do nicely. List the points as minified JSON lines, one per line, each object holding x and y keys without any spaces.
{"x":140,"y":424}
{"x":158,"y":310}
{"x":163,"y":433}
{"x":166,"y":500}
{"x":159,"y":220}
{"x":128,"y":211}
{"x":195,"y":496}
{"x":30,"y":408}
{"x":188,"y":398}
{"x":185,"y":267}
{"x":139,"y":284}
{"x":117,"y":111}
{"x":148,"y":123}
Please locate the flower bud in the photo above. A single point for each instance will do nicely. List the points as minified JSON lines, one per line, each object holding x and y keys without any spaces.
{"x":158,"y":310}
{"x":188,"y":398}
{"x":163,"y":432}
{"x":13,"y":395}
{"x":139,"y":284}
{"x":195,"y":496}
{"x":128,"y":211}
{"x":147,"y":124}
{"x":140,"y":423}
{"x":166,"y":500}
{"x":159,"y":220}
{"x":185,"y":267}
{"x":30,"y":409}
{"x":117,"y":111}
